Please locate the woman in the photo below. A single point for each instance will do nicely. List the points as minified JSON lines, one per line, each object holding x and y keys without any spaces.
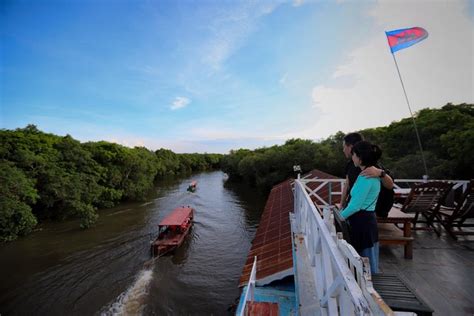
{"x":360,"y":210}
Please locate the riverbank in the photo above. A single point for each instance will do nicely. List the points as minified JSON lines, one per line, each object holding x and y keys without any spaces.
{"x":63,"y":268}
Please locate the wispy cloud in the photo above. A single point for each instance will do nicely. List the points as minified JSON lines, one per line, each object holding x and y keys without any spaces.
{"x":179,"y":103}
{"x":230,"y":29}
{"x":441,"y":67}
{"x":251,"y":77}
{"x":297,"y":3}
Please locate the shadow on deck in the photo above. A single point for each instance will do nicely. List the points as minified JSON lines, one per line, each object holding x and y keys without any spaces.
{"x":441,"y":271}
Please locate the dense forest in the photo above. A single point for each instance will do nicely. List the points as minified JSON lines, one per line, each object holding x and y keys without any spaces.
{"x":447,"y":136}
{"x":45,"y":176}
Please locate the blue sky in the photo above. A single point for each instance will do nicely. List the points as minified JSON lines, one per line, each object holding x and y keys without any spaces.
{"x":210,"y":76}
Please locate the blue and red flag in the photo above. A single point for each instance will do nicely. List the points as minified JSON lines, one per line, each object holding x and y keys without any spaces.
{"x":403,"y":38}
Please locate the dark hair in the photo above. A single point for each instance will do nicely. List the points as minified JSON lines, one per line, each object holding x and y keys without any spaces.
{"x":352,"y":138}
{"x":368,"y":153}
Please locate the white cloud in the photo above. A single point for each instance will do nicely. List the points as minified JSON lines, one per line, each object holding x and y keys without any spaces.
{"x":283,"y":79}
{"x":207,"y":141}
{"x":230,"y":30}
{"x":179,"y":102}
{"x":297,"y":3}
{"x":214,"y":133}
{"x":435,"y":71}
{"x":128,"y":142}
{"x":222,"y":133}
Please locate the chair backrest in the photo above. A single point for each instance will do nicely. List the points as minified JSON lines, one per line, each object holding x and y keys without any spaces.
{"x":465,"y":208}
{"x":426,"y":196}
{"x":341,"y":225}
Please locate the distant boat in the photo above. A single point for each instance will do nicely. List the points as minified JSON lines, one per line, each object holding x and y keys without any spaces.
{"x":192,"y":186}
{"x":172,"y":230}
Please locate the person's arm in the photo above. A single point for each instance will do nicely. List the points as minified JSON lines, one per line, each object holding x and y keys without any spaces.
{"x":374,"y":172}
{"x":344,"y":193}
{"x":360,"y":191}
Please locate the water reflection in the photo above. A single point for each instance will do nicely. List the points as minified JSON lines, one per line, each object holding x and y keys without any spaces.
{"x":251,"y":201}
{"x":62,"y":269}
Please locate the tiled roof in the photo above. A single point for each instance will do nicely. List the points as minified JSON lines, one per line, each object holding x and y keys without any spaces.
{"x":323,"y":192}
{"x":262,"y":309}
{"x":272,"y":242}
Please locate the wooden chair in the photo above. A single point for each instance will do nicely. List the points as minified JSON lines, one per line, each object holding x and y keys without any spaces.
{"x":460,"y":215}
{"x":425,"y":200}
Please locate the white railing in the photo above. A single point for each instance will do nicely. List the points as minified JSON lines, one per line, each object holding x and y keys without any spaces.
{"x":359,"y":266}
{"x":250,"y":290}
{"x":323,"y":184}
{"x":401,"y":186}
{"x":334,"y":263}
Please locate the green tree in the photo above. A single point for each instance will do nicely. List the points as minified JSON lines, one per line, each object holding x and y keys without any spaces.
{"x":447,"y":135}
{"x":17,"y":194}
{"x":138,"y":169}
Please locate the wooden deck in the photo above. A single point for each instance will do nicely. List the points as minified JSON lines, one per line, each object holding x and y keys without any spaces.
{"x":441,"y":271}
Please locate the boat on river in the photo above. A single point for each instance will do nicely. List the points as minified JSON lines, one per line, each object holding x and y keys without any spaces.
{"x":192,"y":186}
{"x":172,"y":231}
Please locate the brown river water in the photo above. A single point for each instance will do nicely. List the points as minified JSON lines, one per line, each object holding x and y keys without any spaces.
{"x":63,"y":270}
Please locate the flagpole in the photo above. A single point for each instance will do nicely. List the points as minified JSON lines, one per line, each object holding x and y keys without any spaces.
{"x":413,"y":119}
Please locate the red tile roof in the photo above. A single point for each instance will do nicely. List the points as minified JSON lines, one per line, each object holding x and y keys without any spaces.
{"x":262,"y":309}
{"x":272,"y":242}
{"x":323,"y":192}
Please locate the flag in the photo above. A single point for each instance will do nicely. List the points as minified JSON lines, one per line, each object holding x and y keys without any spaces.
{"x":403,"y":38}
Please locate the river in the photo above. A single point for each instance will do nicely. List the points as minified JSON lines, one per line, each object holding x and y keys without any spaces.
{"x":60,"y":269}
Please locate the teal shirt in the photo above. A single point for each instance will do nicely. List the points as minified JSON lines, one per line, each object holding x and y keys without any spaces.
{"x":364,"y":195}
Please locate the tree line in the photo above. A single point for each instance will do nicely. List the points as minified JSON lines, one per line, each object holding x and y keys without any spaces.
{"x":447,"y":136}
{"x":45,"y":176}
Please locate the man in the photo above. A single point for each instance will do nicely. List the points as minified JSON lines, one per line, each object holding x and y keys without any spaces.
{"x":352,"y":172}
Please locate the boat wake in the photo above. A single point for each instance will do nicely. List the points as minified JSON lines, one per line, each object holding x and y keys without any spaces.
{"x":132,"y":301}
{"x":120,"y":212}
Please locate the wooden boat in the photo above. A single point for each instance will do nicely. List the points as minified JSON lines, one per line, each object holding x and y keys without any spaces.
{"x":192,"y":186}
{"x":172,"y":230}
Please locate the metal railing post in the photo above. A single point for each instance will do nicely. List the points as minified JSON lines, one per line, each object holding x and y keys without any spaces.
{"x":330,"y":193}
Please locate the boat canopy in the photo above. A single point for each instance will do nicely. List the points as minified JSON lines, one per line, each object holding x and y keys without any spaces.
{"x":177,"y":217}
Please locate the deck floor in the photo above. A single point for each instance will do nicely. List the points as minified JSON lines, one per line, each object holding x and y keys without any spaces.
{"x":441,"y":271}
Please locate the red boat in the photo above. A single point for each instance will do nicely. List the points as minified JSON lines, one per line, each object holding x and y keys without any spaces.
{"x":172,"y":230}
